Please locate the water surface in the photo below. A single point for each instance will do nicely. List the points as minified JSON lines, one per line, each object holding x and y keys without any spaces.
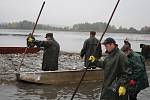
{"x":69,"y":41}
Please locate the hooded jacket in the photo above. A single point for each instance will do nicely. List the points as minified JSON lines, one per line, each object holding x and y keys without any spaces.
{"x":138,"y":72}
{"x":115,"y":69}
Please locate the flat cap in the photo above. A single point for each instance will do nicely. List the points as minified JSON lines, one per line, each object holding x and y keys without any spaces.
{"x":92,"y":33}
{"x":109,"y":40}
{"x":49,"y":35}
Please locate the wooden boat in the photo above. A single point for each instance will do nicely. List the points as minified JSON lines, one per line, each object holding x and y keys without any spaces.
{"x":61,"y":77}
{"x":15,"y":50}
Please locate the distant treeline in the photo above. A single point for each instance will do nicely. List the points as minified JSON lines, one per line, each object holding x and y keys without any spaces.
{"x":28,"y":25}
{"x":98,"y":27}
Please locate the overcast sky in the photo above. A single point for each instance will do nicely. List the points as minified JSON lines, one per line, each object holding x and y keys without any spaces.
{"x":130,"y":13}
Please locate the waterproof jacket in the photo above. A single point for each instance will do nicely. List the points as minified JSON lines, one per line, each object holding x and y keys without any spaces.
{"x":145,"y":51}
{"x":115,"y":70}
{"x":50,"y":55}
{"x":89,"y":46}
{"x":138,"y":72}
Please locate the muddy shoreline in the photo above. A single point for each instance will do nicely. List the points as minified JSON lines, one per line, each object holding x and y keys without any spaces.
{"x":9,"y":64}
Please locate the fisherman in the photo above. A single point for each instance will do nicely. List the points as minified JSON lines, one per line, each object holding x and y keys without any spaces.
{"x":89,"y":46}
{"x":145,"y":51}
{"x":138,"y":79}
{"x":30,"y":38}
{"x":115,"y":72}
{"x":51,"y":52}
{"x":126,"y":42}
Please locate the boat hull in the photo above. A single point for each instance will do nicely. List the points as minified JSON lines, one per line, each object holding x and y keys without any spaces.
{"x":61,"y":77}
{"x":16,"y":50}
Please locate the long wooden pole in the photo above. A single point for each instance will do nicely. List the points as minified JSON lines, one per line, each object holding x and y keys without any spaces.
{"x":84,"y":73}
{"x":38,"y":18}
{"x":32,"y":34}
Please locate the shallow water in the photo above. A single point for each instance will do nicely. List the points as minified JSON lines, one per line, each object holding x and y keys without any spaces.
{"x":69,"y":41}
{"x":28,"y":91}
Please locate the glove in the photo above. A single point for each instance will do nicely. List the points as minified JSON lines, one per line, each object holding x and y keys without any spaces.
{"x":30,"y":39}
{"x":132,"y":83}
{"x":122,"y":91}
{"x":92,"y":59}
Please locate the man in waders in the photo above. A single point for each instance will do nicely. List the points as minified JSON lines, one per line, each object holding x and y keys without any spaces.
{"x":89,"y":46}
{"x":138,"y":79}
{"x":115,"y":72}
{"x":51,"y":52}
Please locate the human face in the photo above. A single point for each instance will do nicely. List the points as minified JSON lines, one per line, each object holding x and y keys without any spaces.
{"x":48,"y":38}
{"x":109,"y":47}
{"x":127,"y":52}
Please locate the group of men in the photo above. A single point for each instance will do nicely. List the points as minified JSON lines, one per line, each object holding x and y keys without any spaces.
{"x":124,"y":70}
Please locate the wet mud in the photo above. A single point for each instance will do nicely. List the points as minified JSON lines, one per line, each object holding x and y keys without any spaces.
{"x":10,"y":63}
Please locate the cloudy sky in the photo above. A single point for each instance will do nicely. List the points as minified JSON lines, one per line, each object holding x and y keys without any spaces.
{"x":135,"y":13}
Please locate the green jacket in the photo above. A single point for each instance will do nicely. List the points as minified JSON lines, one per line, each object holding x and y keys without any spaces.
{"x":115,"y":69}
{"x":50,"y":55}
{"x":89,"y":46}
{"x":138,"y":71}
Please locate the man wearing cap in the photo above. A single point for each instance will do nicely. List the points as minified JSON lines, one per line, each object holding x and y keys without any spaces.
{"x":51,"y":52}
{"x":126,"y":42}
{"x":115,"y":72}
{"x":138,"y":79}
{"x":89,"y":46}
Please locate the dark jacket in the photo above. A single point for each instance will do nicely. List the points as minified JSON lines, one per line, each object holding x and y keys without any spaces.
{"x":50,"y":55}
{"x":88,"y":48}
{"x":115,"y":69}
{"x":138,"y":72}
{"x":145,"y":51}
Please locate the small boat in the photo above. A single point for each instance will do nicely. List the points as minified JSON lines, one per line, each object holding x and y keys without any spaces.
{"x":61,"y":77}
{"x":15,"y":50}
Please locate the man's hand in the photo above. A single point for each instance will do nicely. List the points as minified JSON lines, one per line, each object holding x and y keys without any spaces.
{"x":30,"y":40}
{"x":92,"y":59}
{"x":132,"y":83}
{"x":122,"y":91}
